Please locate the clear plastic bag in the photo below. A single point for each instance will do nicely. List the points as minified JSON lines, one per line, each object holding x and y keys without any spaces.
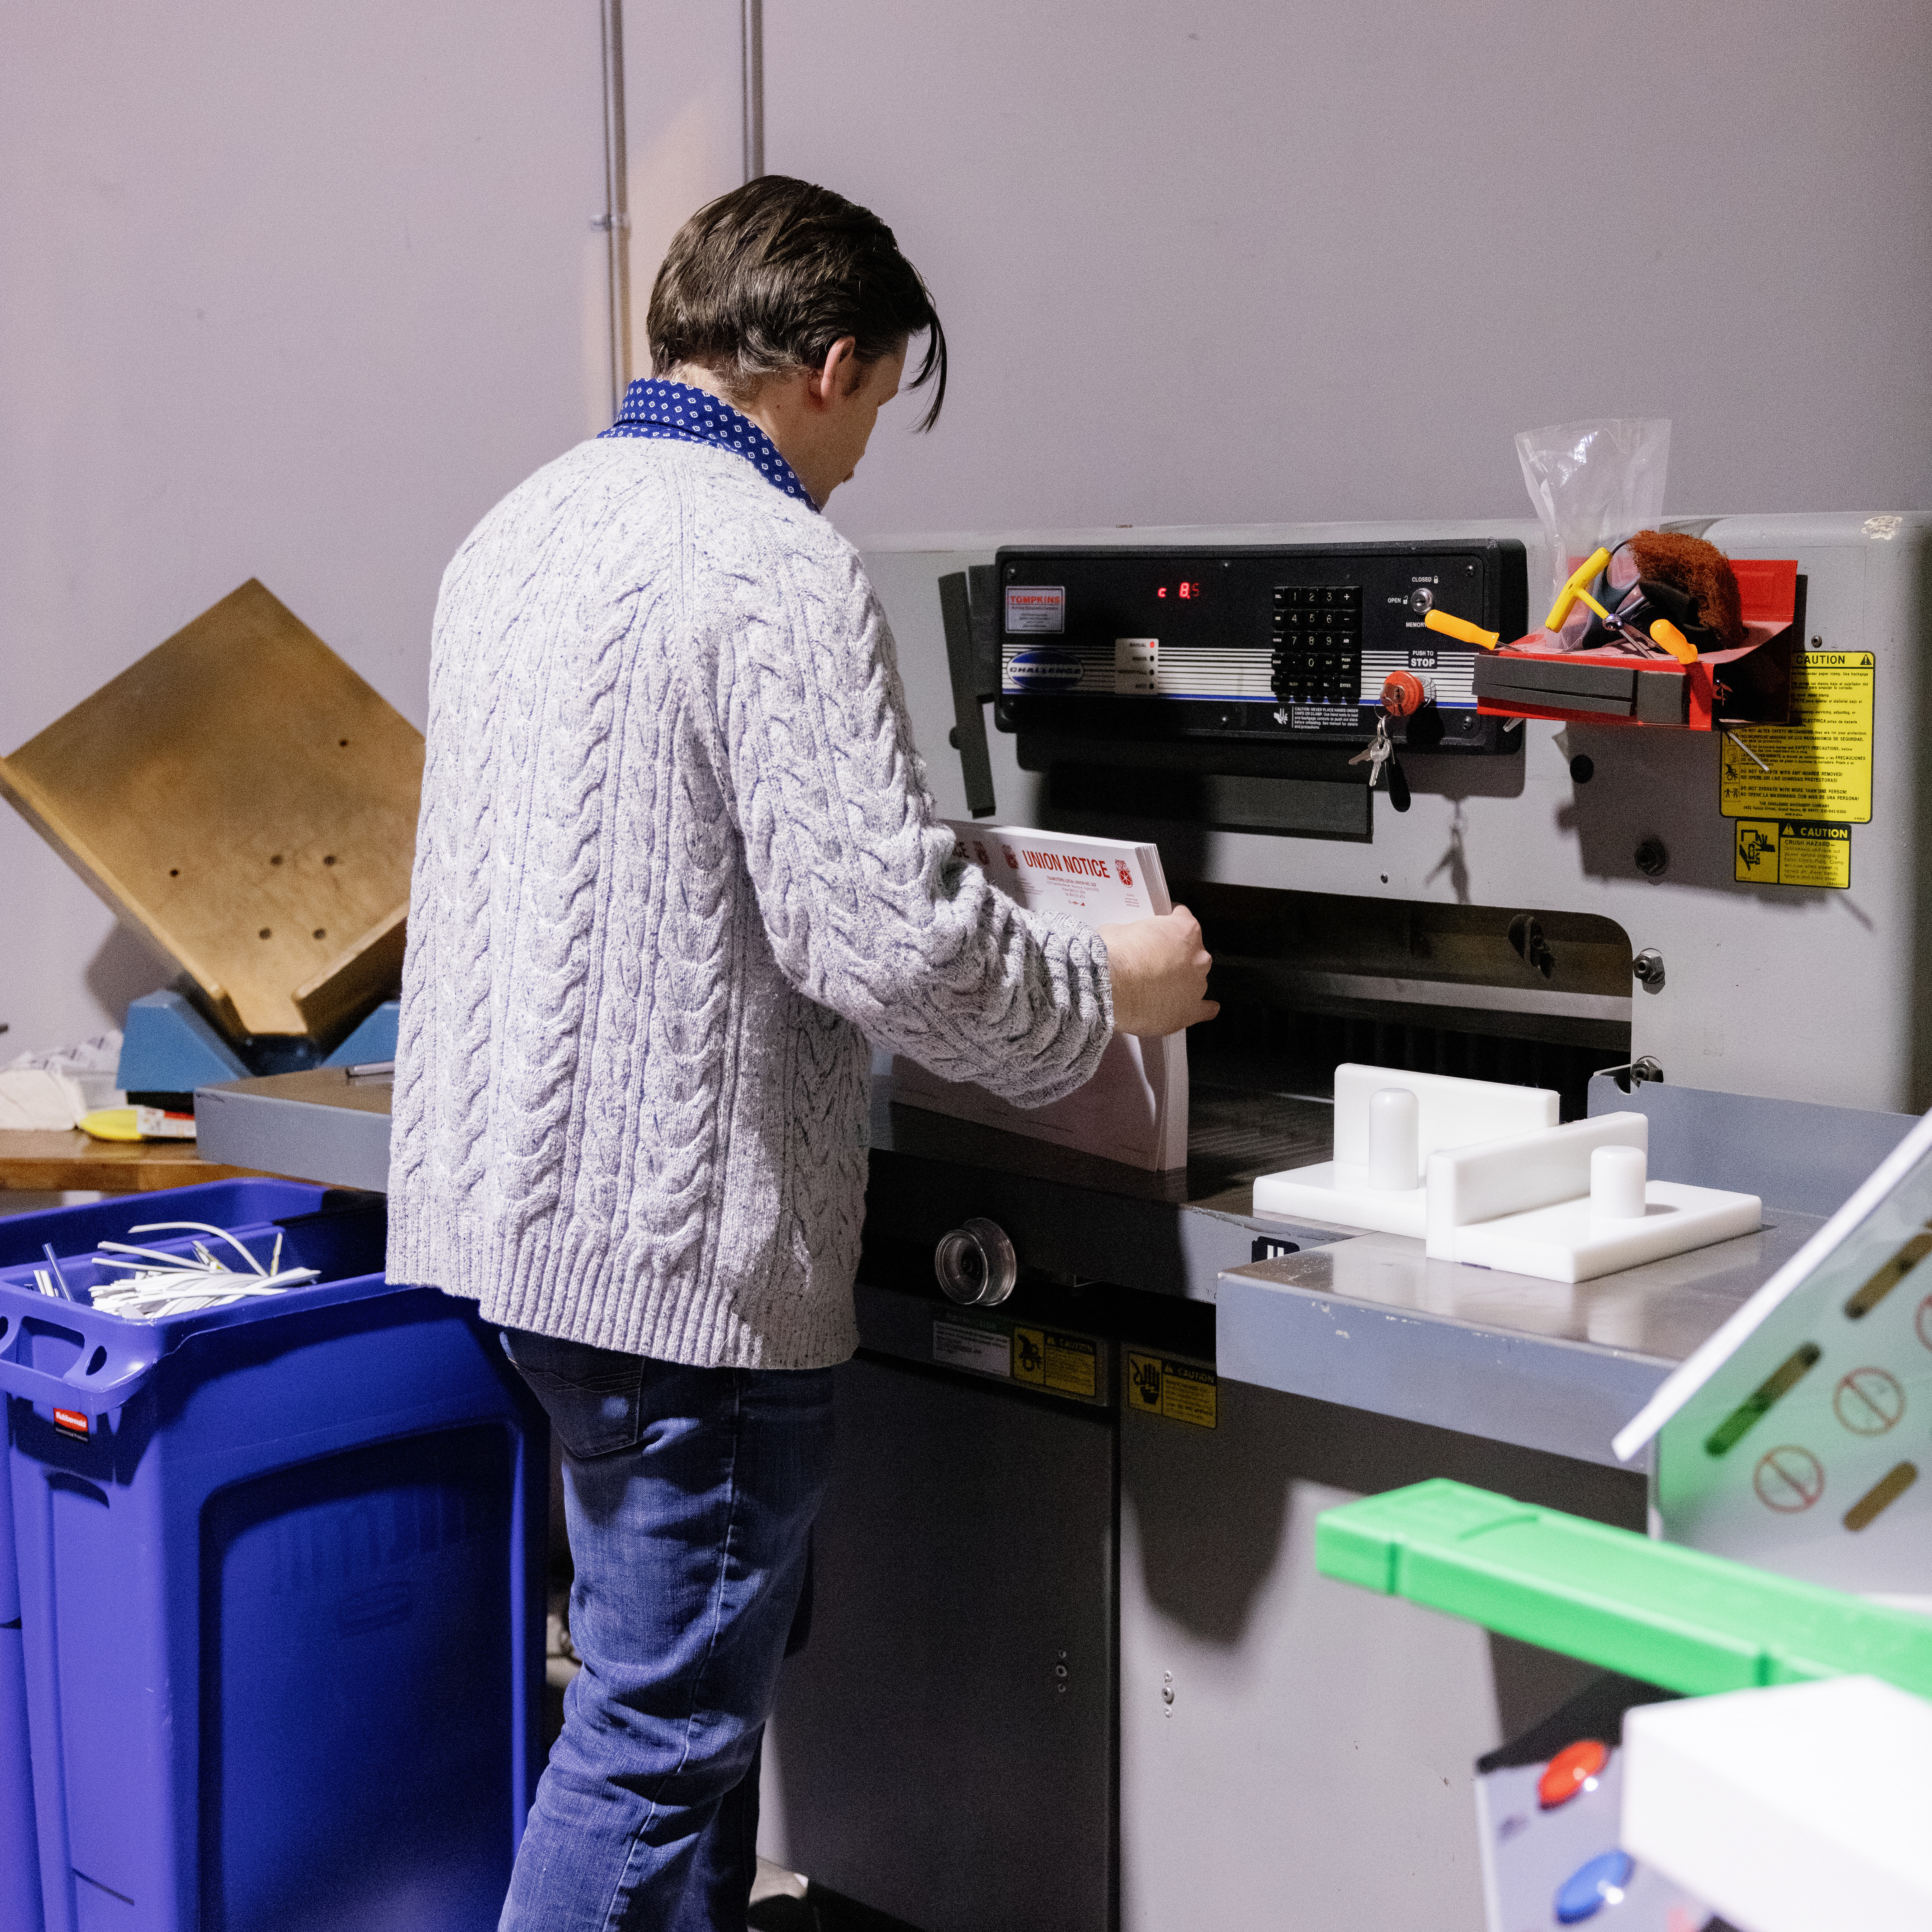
{"x":1594,"y":483}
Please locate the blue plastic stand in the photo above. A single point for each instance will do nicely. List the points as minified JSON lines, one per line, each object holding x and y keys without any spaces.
{"x":374,"y":1040}
{"x":166,"y":1047}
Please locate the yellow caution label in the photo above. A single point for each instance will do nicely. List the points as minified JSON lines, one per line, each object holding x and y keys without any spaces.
{"x":1181,"y":1391}
{"x":1793,"y":852}
{"x":1817,"y":768}
{"x":1069,"y":1364}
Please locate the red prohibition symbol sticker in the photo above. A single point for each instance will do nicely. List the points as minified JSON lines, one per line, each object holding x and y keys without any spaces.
{"x":1868,"y":1401}
{"x":1788,"y":1479}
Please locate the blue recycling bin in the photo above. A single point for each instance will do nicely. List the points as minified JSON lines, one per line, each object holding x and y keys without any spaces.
{"x":280,"y":1572}
{"x":226,"y":1204}
{"x":19,"y":1852}
{"x":21,"y":1236}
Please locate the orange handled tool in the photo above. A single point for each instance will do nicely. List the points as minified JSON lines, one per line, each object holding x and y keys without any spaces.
{"x":1462,"y":629}
{"x":1664,"y":632}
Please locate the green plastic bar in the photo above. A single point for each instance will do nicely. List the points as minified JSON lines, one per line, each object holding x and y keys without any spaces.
{"x":1672,"y":1616}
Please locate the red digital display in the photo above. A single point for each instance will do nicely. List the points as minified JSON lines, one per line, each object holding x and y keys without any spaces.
{"x":1183,"y":590}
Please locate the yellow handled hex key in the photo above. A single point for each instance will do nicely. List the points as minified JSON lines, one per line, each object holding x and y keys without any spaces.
{"x":1580,"y":579}
{"x":1462,"y":629}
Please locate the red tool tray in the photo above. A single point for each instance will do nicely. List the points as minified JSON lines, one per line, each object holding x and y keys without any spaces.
{"x":1750,"y":684}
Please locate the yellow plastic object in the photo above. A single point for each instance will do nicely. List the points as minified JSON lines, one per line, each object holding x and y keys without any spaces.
{"x":1460,"y":628}
{"x":1580,"y":578}
{"x":112,"y":1123}
{"x":1664,"y":632}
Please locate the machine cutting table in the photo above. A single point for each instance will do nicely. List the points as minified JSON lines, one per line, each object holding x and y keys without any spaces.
{"x":1363,"y":1319}
{"x":1366,"y":1320}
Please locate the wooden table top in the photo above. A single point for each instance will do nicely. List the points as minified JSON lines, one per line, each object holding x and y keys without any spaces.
{"x":58,"y":1159}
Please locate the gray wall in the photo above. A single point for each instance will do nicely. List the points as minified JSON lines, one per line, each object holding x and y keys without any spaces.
{"x":293,"y":293}
{"x":297,"y":294}
{"x":1241,"y":260}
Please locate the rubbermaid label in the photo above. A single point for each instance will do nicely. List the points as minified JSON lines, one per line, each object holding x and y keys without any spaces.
{"x":72,"y":1420}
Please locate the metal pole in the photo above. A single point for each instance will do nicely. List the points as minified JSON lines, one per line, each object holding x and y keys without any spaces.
{"x":617,"y":221}
{"x":751,"y":46}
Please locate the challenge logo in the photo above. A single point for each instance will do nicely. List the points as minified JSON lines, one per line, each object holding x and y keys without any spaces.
{"x":1044,"y":671}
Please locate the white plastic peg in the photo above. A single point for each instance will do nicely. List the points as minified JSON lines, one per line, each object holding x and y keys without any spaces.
{"x":1617,"y":1178}
{"x":1395,"y":1159}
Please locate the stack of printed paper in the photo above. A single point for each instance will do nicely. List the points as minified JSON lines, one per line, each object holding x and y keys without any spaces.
{"x":1135,"y":1108}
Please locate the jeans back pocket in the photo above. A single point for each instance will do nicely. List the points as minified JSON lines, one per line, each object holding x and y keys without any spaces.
{"x":593,"y":1396}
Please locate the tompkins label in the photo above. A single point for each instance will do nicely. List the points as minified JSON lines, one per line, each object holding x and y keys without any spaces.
{"x":1036,"y":610}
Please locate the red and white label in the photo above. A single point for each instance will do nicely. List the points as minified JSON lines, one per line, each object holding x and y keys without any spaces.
{"x":1036,"y":610}
{"x":72,"y":1420}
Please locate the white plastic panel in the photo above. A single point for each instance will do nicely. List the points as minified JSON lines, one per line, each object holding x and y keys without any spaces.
{"x":1788,"y":1810}
{"x":1448,"y":1113}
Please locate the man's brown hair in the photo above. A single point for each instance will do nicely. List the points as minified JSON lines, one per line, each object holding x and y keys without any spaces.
{"x":768,"y":277}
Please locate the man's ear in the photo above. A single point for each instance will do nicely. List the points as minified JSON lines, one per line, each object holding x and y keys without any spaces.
{"x":841,"y":374}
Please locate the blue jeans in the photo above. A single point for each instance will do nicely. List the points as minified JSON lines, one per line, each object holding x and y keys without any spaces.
{"x":689,"y":1494}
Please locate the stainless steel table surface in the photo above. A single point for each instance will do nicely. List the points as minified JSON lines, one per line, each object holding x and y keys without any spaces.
{"x":319,"y":1126}
{"x":1366,"y":1320}
{"x":1371,"y":1321}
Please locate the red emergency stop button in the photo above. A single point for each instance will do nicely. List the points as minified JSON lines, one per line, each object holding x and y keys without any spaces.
{"x":1573,"y":1769}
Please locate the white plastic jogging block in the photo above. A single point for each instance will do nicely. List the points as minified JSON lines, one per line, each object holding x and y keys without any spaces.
{"x":1388,"y":1126}
{"x":1570,"y":1203}
{"x":1788,"y":1810}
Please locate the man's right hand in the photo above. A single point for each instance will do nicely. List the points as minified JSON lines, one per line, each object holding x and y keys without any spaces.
{"x":1159,"y":968}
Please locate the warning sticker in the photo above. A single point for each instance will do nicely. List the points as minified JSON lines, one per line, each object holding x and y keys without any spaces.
{"x":1036,"y":610}
{"x":960,"y":1343}
{"x":1820,"y":766}
{"x":1067,"y":1363}
{"x":1793,"y":852}
{"x":1181,"y":1391}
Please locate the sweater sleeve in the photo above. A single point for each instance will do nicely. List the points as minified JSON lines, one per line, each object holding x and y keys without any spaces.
{"x":868,"y":908}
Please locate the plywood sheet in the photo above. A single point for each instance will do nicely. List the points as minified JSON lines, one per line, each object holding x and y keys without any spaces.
{"x":43,"y":1161}
{"x":246,"y":800}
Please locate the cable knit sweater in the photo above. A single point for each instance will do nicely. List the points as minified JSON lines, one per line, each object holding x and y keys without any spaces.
{"x":676,"y":864}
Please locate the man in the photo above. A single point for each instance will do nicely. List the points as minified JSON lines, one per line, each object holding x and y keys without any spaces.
{"x":677,"y":867}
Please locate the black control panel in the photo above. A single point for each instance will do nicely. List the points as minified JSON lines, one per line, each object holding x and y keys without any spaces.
{"x":1249,"y":647}
{"x":1317,"y":657}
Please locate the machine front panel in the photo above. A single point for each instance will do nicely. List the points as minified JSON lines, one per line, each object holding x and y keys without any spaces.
{"x":1287,"y":646}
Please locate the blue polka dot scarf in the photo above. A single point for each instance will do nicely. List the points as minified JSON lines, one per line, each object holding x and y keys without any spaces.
{"x":681,"y":414}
